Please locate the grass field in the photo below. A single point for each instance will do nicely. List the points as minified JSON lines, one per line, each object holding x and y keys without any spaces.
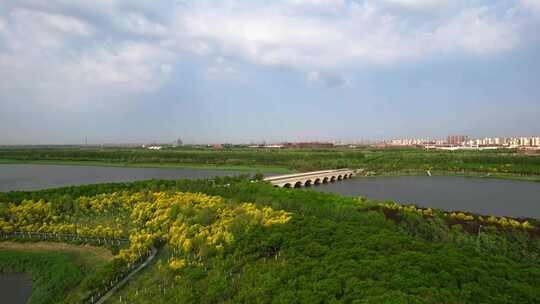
{"x":241,"y":168}
{"x":58,"y":271}
{"x":383,"y":161}
{"x":507,"y":176}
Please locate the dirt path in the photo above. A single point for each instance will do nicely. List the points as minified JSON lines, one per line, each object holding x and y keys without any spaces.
{"x":52,"y":246}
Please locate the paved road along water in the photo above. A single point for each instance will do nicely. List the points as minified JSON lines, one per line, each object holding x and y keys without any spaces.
{"x":479,"y":195}
{"x":34,"y":177}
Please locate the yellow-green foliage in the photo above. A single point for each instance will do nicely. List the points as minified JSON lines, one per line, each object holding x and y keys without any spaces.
{"x":40,"y":216}
{"x":409,"y":209}
{"x":194,"y":224}
{"x":461,"y":216}
{"x":503,"y":221}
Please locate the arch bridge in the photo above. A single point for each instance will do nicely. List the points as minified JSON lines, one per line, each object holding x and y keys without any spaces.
{"x":310,"y":178}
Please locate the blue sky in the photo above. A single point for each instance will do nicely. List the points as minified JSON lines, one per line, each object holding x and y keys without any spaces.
{"x":241,"y":71}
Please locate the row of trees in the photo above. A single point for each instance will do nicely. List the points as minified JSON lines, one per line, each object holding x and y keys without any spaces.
{"x":303,"y":160}
{"x":504,"y":222}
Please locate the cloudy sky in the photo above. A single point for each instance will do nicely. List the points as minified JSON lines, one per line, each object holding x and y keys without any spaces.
{"x":273,"y":70}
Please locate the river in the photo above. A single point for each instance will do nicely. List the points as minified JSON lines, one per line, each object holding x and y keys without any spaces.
{"x":35,"y":177}
{"x":479,"y":195}
{"x":15,"y":288}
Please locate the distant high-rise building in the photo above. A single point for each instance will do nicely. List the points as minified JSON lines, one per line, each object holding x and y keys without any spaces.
{"x":179,"y":142}
{"x":524,"y":141}
{"x":457,"y":139}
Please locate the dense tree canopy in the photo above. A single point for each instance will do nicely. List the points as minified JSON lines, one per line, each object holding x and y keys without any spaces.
{"x":245,"y":241}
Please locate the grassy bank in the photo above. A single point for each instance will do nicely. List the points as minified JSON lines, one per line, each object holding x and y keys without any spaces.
{"x":505,"y":176}
{"x":241,"y":168}
{"x":58,"y":271}
{"x":496,"y":162}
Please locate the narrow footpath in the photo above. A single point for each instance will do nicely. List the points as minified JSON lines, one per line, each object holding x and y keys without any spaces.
{"x":128,"y":277}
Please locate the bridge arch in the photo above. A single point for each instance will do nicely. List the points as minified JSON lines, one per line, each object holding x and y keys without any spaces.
{"x":310,"y":178}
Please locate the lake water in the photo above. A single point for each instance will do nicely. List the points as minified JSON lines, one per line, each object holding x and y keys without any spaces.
{"x":34,"y":177}
{"x":15,"y":288}
{"x":478,"y":195}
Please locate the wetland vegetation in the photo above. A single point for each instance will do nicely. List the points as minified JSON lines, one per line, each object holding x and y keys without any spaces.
{"x":394,"y":161}
{"x":232,"y":240}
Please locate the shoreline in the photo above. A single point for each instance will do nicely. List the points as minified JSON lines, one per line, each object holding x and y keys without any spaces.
{"x":241,"y":168}
{"x":266,"y":169}
{"x":502,"y":176}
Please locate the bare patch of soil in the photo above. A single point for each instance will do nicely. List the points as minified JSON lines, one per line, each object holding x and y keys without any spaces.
{"x":100,"y":252}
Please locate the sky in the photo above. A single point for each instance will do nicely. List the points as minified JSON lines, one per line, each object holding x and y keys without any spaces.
{"x":267,"y":70}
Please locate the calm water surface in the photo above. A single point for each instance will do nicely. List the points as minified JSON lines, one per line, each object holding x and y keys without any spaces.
{"x":15,"y":288}
{"x":478,"y":195}
{"x":34,"y":177}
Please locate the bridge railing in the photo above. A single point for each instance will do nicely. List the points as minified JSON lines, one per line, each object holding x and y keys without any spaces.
{"x":291,"y":176}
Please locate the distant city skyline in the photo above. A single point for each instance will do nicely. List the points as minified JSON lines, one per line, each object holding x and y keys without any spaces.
{"x":275,"y":71}
{"x":533,"y":140}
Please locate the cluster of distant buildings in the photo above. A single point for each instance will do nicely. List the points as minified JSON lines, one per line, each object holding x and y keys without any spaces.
{"x":452,"y":142}
{"x":463,"y":142}
{"x":311,"y":144}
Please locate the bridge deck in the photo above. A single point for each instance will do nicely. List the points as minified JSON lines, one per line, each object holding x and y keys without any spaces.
{"x":294,"y":175}
{"x":309,"y":178}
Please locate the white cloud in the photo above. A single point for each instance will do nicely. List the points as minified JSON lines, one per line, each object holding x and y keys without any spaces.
{"x":52,"y":22}
{"x":132,"y":66}
{"x":532,"y":4}
{"x":40,"y":38}
{"x":220,"y":71}
{"x":476,"y":30}
{"x":363,"y":34}
{"x":39,"y":57}
{"x":138,"y":24}
{"x":326,"y":79}
{"x":42,"y":31}
{"x":419,"y":4}
{"x":316,"y":4}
